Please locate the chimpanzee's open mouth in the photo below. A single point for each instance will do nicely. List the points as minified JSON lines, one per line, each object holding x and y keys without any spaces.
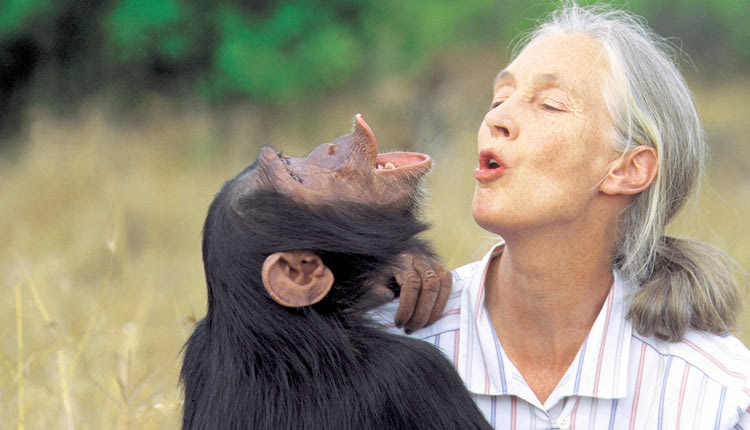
{"x":416,"y":161}
{"x":396,"y":160}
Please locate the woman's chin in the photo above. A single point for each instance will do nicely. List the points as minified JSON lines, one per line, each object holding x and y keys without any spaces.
{"x":486,"y":220}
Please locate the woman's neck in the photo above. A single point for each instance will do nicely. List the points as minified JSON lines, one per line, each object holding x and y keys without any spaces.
{"x":543,"y":294}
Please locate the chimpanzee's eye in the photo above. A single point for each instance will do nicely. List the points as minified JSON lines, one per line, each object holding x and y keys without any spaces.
{"x":283,"y":158}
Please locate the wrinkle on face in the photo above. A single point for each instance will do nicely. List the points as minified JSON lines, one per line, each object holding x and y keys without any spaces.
{"x":552,"y":93}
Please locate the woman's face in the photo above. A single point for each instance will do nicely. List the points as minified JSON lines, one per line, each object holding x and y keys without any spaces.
{"x":546,"y":141}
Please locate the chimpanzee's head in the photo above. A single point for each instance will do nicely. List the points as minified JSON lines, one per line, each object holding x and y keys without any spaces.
{"x":348,"y":169}
{"x":304,"y":224}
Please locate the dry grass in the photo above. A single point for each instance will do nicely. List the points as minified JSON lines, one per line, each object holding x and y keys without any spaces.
{"x":101,"y":217}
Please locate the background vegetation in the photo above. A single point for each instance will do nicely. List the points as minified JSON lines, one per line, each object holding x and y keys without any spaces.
{"x":121,"y":119}
{"x":276,"y":51}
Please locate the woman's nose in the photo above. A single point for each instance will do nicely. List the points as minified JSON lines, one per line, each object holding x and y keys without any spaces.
{"x":501,"y":124}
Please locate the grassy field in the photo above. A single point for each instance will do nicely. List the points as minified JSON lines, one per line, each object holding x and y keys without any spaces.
{"x":101,"y":213}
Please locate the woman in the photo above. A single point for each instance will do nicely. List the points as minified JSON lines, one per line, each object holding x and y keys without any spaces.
{"x":587,"y":315}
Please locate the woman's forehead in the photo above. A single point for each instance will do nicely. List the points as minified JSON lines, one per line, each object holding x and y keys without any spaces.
{"x":562,"y":55}
{"x":572,"y":61}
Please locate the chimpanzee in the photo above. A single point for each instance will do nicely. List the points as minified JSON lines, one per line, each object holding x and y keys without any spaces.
{"x":292,"y":249}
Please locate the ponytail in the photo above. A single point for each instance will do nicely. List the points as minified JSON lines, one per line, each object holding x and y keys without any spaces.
{"x":692,"y":285}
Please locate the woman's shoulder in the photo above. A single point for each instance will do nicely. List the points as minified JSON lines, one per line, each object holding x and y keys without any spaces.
{"x":451,"y":314}
{"x":720,"y":357}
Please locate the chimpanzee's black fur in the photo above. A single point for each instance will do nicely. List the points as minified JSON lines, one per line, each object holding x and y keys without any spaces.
{"x":254,"y":364}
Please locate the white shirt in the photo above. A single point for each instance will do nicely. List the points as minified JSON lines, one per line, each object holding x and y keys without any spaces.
{"x":618,"y":380}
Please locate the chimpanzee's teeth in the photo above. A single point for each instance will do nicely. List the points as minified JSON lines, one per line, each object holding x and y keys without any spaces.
{"x":387,"y":165}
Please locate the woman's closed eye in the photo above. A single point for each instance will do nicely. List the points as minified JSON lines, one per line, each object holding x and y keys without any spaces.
{"x":553,"y":106}
{"x":496,"y":103}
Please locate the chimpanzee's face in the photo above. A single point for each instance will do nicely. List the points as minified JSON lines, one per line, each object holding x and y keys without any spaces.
{"x":348,"y":169}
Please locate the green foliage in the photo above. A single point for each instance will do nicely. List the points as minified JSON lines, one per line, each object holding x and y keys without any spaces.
{"x":733,"y":15}
{"x":297,"y":50}
{"x":275,"y":51}
{"x":142,"y":28}
{"x":17,"y":15}
{"x":714,"y":33}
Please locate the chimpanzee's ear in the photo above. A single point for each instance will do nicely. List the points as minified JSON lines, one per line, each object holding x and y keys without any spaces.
{"x":296,"y":278}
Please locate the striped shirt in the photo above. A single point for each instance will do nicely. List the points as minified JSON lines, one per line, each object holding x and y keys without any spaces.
{"x":618,"y":380}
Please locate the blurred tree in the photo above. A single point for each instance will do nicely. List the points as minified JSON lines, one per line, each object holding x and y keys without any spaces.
{"x":714,"y":33}
{"x":293,"y":49}
{"x":155,"y":43}
{"x":20,"y":52}
{"x":275,"y":51}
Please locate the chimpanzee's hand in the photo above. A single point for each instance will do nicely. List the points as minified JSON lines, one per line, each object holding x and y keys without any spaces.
{"x":425,"y":287}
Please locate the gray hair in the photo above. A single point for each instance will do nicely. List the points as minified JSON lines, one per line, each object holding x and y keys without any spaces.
{"x":682,"y":283}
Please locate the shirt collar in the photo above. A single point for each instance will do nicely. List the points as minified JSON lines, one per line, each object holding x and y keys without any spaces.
{"x":599,"y":369}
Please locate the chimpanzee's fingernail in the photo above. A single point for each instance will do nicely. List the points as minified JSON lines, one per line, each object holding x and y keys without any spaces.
{"x":399,"y":324}
{"x":388,"y":295}
{"x":408,"y":331}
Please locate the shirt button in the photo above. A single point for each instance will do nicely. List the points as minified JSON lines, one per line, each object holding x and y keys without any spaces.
{"x":562,"y":423}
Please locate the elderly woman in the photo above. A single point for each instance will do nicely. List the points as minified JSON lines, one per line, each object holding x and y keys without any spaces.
{"x":586,"y":315}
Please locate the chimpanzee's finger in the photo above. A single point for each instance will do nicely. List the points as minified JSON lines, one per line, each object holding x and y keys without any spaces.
{"x":446,"y":283}
{"x":378,"y":295}
{"x":410,"y":284}
{"x":428,"y":293}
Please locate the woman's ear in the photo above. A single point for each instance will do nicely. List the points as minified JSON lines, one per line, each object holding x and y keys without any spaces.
{"x":631,"y":173}
{"x":296,"y":278}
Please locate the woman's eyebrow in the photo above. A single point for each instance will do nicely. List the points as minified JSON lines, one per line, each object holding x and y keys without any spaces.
{"x":550,"y":80}
{"x":539,"y":80}
{"x":504,"y":76}
{"x":547,"y":78}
